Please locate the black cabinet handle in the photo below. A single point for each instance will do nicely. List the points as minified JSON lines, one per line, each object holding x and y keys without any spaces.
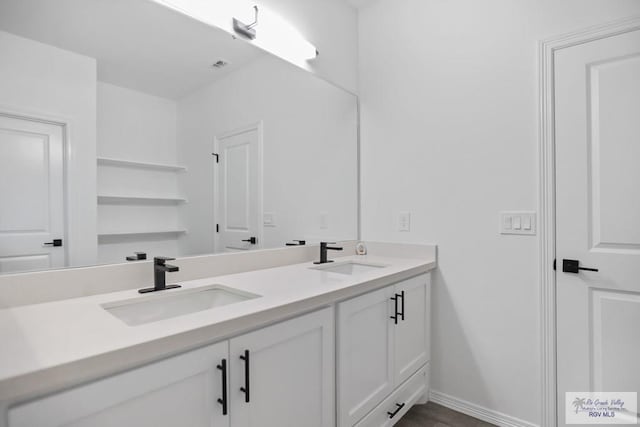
{"x":252,"y":240}
{"x":223,"y":401}
{"x":394,"y":298}
{"x":398,"y":409}
{"x":573,"y":266}
{"x":402,"y":305}
{"x":245,"y":389}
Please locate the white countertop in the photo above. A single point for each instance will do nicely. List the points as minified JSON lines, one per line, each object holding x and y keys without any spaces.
{"x":57,"y":344}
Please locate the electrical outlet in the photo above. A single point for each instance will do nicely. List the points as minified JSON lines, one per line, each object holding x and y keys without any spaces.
{"x":404,"y":221}
{"x":269,"y":219}
{"x":324,"y":220}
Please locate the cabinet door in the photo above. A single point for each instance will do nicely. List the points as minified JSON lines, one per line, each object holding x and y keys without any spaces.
{"x":412,"y":330}
{"x":180,"y":391}
{"x":287,"y":380}
{"x":365,"y":354}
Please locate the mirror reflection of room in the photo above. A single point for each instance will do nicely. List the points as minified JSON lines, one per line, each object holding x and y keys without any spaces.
{"x":130,"y":141}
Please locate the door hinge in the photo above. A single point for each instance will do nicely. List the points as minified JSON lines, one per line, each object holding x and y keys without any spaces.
{"x":216,"y":156}
{"x":217,"y":228}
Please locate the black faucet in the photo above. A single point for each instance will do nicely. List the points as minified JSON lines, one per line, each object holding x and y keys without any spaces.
{"x":323,"y":252}
{"x":160,"y":268}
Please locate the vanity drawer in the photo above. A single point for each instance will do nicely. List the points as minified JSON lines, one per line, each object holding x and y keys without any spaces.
{"x":407,"y":394}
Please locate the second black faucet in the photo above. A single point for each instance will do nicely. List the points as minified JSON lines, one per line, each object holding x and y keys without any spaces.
{"x":324,"y":247}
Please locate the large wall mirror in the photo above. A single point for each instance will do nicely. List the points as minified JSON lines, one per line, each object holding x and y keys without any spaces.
{"x":127,"y":127}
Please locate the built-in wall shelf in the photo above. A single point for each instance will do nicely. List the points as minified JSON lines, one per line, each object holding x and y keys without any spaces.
{"x":115,"y":199}
{"x":139,"y":233}
{"x":106,"y":161}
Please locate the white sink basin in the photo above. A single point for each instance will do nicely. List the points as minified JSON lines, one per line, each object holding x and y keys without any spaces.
{"x":348,"y":267}
{"x":168,"y":304}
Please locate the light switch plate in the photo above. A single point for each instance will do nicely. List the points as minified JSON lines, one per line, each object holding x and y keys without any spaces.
{"x":518,"y":222}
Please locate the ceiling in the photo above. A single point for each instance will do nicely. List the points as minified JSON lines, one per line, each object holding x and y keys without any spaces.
{"x":138,"y":44}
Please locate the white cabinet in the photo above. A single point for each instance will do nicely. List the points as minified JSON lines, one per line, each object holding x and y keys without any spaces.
{"x":412,"y":330}
{"x":288,"y":378}
{"x":285,"y":377}
{"x":365,"y":354}
{"x":383,"y":339}
{"x":179,"y":391}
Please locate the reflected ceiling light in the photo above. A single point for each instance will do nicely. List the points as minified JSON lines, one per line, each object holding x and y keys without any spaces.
{"x":277,"y":36}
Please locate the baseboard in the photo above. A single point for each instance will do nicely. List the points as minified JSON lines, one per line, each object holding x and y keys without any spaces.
{"x":473,"y":410}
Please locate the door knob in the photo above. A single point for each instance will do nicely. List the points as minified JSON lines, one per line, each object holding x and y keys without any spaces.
{"x":55,"y":243}
{"x":573,"y":266}
{"x":252,"y":240}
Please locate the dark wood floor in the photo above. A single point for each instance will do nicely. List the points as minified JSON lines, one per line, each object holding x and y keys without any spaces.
{"x":434,"y":415}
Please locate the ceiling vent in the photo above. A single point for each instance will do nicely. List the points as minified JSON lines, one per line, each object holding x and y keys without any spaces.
{"x":221,"y":63}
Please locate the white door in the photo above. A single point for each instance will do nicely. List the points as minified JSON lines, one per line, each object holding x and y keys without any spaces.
{"x":180,"y":391}
{"x":286,"y":375}
{"x":31,"y":194}
{"x":239,"y":190}
{"x":597,"y":96}
{"x":411,"y":332}
{"x":365,"y":354}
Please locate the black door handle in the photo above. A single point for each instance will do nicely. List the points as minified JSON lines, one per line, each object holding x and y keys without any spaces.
{"x":398,"y":409}
{"x":223,"y":401}
{"x":54,"y":242}
{"x":252,"y":240}
{"x":245,"y":389}
{"x":573,"y":266}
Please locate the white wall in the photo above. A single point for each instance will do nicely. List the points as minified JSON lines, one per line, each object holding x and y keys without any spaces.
{"x":42,"y":81}
{"x":330,"y":25}
{"x":139,"y":127}
{"x":309,"y":150}
{"x":449,"y":132}
{"x":135,"y":126}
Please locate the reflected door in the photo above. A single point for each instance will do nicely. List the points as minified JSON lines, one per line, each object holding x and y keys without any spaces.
{"x":31,"y":195}
{"x":598,"y":216}
{"x":239,"y":190}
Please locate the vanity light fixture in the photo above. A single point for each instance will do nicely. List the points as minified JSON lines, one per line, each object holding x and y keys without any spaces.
{"x":246,"y":30}
{"x":277,"y":36}
{"x":295,"y":48}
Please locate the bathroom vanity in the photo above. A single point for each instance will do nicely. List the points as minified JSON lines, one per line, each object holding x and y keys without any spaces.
{"x":345,"y":343}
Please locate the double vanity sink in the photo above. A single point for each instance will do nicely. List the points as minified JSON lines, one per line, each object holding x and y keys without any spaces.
{"x":173,"y":303}
{"x":290,"y":306}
